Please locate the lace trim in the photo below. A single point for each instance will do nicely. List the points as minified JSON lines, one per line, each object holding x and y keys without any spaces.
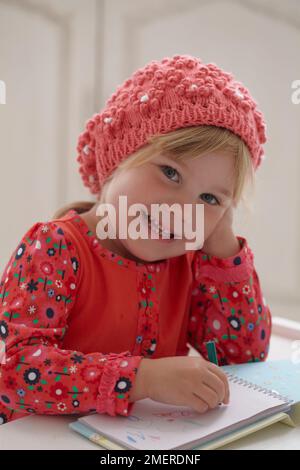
{"x":106,"y":399}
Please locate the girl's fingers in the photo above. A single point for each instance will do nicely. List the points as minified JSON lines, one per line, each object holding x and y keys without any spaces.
{"x":197,"y":403}
{"x":208,"y":395}
{"x":214,"y":382}
{"x":213,"y":368}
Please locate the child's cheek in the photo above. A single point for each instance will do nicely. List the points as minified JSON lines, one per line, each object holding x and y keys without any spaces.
{"x":212,"y":216}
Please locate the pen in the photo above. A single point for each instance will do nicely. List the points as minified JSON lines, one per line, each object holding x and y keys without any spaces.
{"x":212,"y":352}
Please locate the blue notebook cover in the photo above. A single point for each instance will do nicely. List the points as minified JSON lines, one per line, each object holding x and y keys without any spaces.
{"x":281,"y":376}
{"x":94,"y":436}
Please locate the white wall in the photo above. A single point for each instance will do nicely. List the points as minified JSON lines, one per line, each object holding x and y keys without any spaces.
{"x":69,"y":56}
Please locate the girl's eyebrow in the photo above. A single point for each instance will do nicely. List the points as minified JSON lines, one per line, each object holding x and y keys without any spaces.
{"x":224,"y":191}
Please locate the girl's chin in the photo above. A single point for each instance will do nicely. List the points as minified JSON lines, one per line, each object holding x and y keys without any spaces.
{"x":150,"y":250}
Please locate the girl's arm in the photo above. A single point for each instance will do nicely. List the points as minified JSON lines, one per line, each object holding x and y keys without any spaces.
{"x":37,"y":292}
{"x":228,"y":306}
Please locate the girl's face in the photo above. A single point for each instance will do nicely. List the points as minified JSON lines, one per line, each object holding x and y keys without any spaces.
{"x":208,"y":179}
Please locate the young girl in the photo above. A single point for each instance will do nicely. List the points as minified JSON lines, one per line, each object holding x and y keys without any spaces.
{"x":90,"y":324}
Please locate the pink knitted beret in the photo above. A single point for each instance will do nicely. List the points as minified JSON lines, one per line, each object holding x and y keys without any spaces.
{"x":165,"y":95}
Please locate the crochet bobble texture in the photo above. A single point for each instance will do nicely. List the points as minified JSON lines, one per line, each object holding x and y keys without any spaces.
{"x":165,"y":95}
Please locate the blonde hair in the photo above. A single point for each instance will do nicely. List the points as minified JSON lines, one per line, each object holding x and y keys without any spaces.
{"x":185,"y":143}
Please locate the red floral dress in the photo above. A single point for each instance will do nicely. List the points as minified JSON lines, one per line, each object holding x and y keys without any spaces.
{"x":76,"y":319}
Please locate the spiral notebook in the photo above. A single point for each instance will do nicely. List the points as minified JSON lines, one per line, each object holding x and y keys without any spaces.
{"x":157,"y":426}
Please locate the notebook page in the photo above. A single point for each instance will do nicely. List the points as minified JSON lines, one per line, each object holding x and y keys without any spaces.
{"x":158,"y":426}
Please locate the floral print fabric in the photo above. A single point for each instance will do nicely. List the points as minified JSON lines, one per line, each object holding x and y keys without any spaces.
{"x":228,"y":307}
{"x":202,"y":297}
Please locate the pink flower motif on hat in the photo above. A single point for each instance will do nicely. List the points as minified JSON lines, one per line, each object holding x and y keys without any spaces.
{"x":91,"y":125}
{"x":238,"y":95}
{"x":141,"y":80}
{"x":120,"y":113}
{"x":180,"y":64}
{"x":125,"y":97}
{"x":112,"y":99}
{"x":260,"y":125}
{"x":173,"y":77}
{"x":128,"y":82}
{"x":150,"y":99}
{"x":200,"y":75}
{"x":158,"y":94}
{"x":138,"y":78}
{"x":86,"y":149}
{"x":219,"y":83}
{"x":213,"y":67}
{"x":161,"y":84}
{"x":96,"y":118}
{"x":144,"y":108}
{"x":137,"y":92}
{"x":144,"y":98}
{"x":159,"y":75}
{"x":203,"y":70}
{"x":107,"y":120}
{"x":149,"y":74}
{"x":83,"y":147}
{"x":190,"y":63}
{"x":192,"y":88}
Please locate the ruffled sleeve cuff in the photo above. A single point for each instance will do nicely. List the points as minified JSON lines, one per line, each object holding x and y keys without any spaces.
{"x":232,"y":269}
{"x":116,"y":382}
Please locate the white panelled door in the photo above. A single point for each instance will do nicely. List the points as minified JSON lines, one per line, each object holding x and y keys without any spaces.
{"x":47,"y":62}
{"x":61,"y":60}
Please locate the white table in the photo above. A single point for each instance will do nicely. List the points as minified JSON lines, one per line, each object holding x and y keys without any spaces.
{"x":52,"y":432}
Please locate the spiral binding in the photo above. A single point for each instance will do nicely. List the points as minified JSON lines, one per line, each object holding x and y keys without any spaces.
{"x":246,"y":383}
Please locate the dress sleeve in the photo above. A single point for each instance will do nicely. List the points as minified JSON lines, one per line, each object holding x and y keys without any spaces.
{"x":228,"y":306}
{"x":38,"y":290}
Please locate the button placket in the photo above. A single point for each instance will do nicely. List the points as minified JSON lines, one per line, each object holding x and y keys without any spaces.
{"x":147,"y":329}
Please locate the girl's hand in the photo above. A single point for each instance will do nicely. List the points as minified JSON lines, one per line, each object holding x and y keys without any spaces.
{"x":183,"y":381}
{"x":222,"y":242}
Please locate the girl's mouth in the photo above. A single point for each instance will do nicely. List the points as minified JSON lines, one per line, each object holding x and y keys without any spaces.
{"x":156,"y":228}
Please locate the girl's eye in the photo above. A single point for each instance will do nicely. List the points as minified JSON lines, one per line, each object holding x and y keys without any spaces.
{"x":169,"y":172}
{"x":207,"y":198}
